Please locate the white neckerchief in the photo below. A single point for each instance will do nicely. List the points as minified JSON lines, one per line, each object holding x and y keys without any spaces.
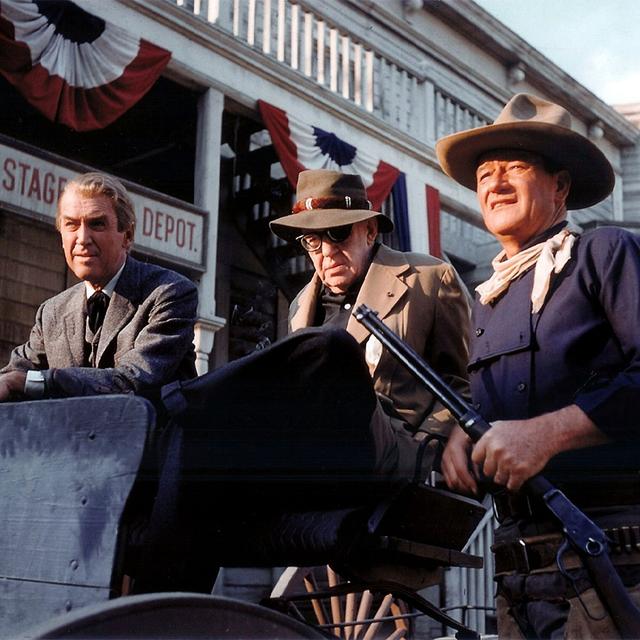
{"x":549,"y":257}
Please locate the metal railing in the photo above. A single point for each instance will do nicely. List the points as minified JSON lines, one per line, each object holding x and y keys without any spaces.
{"x":451,"y":116}
{"x":469,"y":593}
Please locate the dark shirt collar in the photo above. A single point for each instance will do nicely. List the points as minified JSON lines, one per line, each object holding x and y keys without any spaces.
{"x":335,"y":308}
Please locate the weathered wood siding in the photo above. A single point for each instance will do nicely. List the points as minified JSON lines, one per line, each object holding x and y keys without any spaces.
{"x":32,"y":269}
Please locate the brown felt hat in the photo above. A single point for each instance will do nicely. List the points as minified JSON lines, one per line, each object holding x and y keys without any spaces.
{"x":530,"y":123}
{"x":326,"y":199}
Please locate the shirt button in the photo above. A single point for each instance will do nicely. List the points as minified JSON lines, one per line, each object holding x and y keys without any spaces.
{"x":521,"y":387}
{"x":347,"y":306}
{"x":479,"y":331}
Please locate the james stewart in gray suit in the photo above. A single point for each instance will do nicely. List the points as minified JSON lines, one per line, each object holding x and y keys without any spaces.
{"x":135,"y":340}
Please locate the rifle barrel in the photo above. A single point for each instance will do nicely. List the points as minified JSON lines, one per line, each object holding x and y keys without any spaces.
{"x":578,"y":528}
{"x":414,"y":362}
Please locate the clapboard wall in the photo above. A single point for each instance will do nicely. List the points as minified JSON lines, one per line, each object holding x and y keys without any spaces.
{"x":32,"y":269}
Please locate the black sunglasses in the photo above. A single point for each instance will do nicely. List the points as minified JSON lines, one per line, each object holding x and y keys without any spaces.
{"x":313,"y":241}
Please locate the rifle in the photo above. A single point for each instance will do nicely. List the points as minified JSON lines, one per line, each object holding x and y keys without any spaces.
{"x":581,"y":533}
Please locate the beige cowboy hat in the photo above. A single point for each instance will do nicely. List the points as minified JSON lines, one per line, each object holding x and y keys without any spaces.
{"x":530,"y":123}
{"x":326,"y":199}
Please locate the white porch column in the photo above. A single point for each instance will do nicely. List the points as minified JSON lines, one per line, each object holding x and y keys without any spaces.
{"x":618,"y":199}
{"x":417,"y":204}
{"x":207,"y":193}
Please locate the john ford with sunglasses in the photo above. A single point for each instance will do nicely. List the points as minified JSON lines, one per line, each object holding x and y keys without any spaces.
{"x":417,"y":296}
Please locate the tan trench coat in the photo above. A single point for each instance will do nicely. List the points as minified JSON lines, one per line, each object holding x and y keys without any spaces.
{"x":421,"y":299}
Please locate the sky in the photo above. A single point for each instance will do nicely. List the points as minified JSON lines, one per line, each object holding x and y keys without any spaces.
{"x":595,"y":41}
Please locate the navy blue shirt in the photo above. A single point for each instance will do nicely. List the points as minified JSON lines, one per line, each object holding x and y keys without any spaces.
{"x":583,"y":347}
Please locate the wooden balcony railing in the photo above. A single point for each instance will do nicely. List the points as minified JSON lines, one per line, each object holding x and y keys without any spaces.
{"x":328,"y":54}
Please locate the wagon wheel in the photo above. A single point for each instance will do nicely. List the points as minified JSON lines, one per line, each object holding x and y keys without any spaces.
{"x":320,"y":597}
{"x":189,"y":616}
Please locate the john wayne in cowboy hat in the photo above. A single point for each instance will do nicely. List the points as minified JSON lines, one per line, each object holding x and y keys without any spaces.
{"x":554,"y":360}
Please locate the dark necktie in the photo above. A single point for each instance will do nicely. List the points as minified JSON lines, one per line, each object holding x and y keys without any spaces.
{"x":97,"y":308}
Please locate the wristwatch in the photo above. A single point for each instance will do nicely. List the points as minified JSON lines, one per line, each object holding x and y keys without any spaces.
{"x":35,"y":385}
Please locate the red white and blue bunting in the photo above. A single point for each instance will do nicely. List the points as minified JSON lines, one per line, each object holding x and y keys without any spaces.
{"x":302,"y":146}
{"x":75,"y":68}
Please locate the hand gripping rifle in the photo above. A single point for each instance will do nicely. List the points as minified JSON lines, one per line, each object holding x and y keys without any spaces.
{"x":581,"y":534}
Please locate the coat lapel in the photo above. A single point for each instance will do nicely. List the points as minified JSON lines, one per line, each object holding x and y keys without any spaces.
{"x":305,"y":313}
{"x":74,"y":320}
{"x":121,"y":308}
{"x":382,"y":288}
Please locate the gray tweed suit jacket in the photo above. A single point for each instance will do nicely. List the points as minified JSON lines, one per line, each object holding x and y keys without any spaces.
{"x":146,"y":340}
